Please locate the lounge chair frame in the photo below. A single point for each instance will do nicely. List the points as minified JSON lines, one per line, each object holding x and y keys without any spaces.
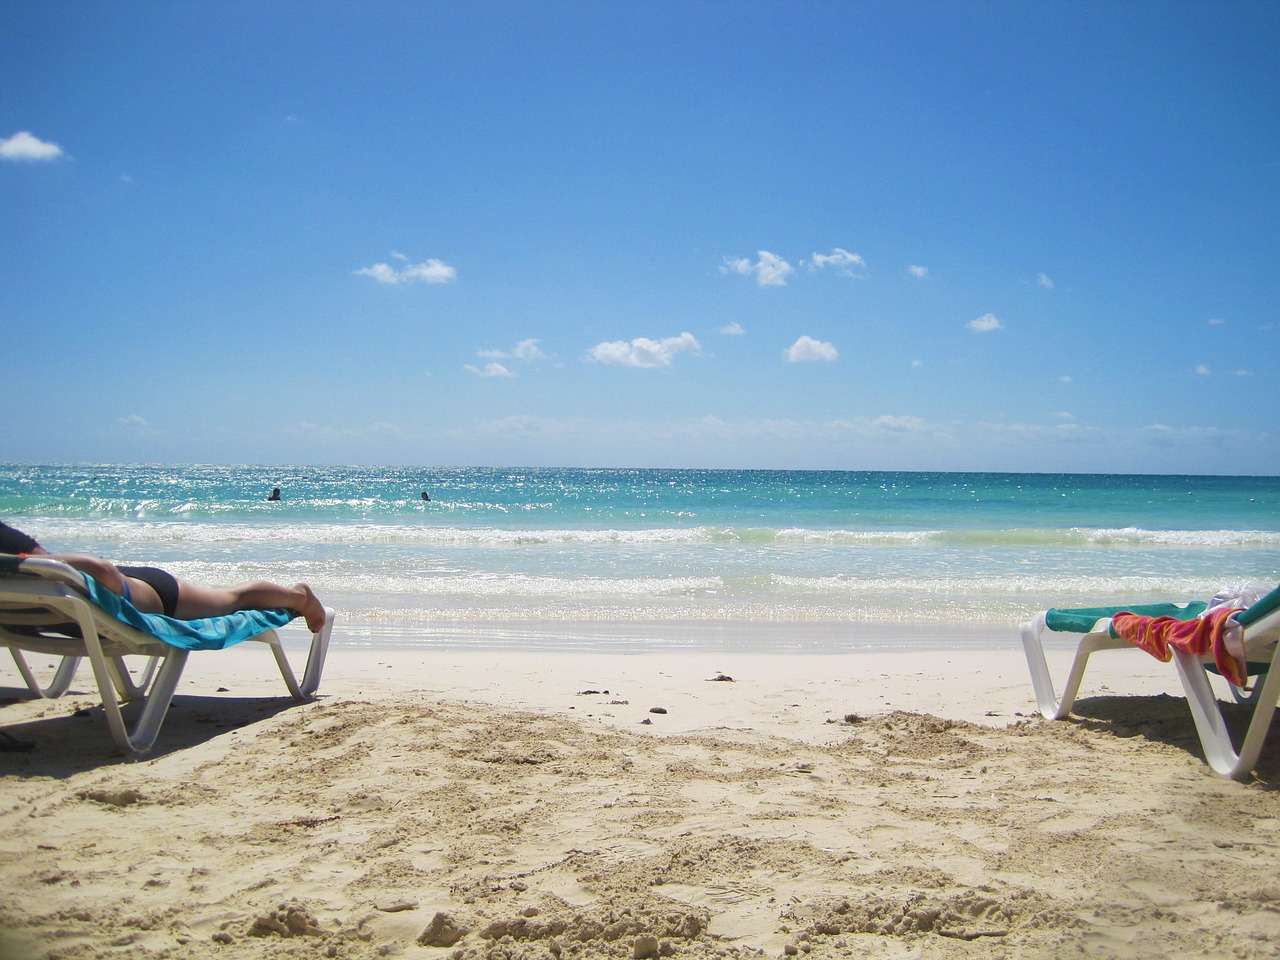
{"x":1261,"y":637}
{"x":44,"y":608}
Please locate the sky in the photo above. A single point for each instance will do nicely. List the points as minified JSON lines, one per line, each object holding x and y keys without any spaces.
{"x":800,"y":235}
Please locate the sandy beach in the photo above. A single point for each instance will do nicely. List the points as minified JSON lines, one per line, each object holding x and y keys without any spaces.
{"x":494,"y":804}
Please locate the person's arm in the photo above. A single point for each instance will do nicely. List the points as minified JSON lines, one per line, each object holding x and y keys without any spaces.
{"x":101,"y":570}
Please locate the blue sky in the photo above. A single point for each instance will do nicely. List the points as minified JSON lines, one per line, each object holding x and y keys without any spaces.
{"x":941,"y":236}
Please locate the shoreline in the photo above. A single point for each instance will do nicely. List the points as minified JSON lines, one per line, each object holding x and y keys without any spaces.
{"x":356,"y":629}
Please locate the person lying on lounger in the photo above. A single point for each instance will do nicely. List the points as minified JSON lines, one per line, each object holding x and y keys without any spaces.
{"x":153,"y":590}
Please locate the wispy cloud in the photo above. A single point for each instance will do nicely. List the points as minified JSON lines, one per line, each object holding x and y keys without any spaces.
{"x":901,"y":424}
{"x":846,"y":263}
{"x":1203,"y":370}
{"x":22,"y":146}
{"x":429,"y":271}
{"x":770,"y":270}
{"x":643,"y":352}
{"x":331,"y":433}
{"x":917,"y":271}
{"x":985,"y":323}
{"x":732,"y":329}
{"x":136,"y":422}
{"x":807,"y":349}
{"x":526,"y":350}
{"x":898,"y":436}
{"x":1044,"y":281}
{"x":1216,"y":321}
{"x":492,"y":369}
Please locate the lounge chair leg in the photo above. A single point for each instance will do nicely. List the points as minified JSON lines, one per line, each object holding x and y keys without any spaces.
{"x":128,"y":688}
{"x":62,"y":677}
{"x":1050,"y":705}
{"x":315,"y":659}
{"x":1219,"y":751}
{"x":105,"y":671}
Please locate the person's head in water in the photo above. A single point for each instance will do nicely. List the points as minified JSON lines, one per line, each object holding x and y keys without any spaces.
{"x":424,"y":495}
{"x":275,"y":494}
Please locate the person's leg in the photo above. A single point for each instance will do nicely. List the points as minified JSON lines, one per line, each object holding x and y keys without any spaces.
{"x":196,"y":601}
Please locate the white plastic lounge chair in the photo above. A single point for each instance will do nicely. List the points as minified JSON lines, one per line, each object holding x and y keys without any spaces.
{"x":65,"y":672}
{"x":1261,"y":624}
{"x":45,"y":607}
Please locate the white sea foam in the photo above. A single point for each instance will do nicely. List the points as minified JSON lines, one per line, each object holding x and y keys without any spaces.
{"x":306,"y":534}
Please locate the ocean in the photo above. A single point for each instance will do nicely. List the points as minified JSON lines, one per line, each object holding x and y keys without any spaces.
{"x":641,"y":559}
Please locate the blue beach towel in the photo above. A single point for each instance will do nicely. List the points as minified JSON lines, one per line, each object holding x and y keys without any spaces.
{"x":211,"y":633}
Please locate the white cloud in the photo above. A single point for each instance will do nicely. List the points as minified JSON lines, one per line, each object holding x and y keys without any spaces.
{"x":1244,"y":373}
{"x":985,"y":323}
{"x":643,"y":352}
{"x":732,"y":329}
{"x":1216,"y":321}
{"x":1203,"y":370}
{"x":916,"y":364}
{"x":917,"y":271}
{"x":1044,"y":281}
{"x":493,"y":369}
{"x":841,"y":259}
{"x":429,"y":271}
{"x":1064,"y":379}
{"x":313,"y":433}
{"x":23,"y":146}
{"x":905,"y":441}
{"x":526,"y":350}
{"x":806,"y":349}
{"x":905,"y":424}
{"x":380,"y":272}
{"x":770,"y":270}
{"x":1064,"y":415}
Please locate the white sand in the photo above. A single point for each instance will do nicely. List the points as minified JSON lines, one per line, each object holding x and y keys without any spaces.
{"x":426,"y":794}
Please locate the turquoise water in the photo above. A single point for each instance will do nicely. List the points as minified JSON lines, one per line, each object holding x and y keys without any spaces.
{"x":623,"y":549}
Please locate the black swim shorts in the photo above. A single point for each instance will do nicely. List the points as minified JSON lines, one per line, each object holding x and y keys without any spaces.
{"x":164,"y":583}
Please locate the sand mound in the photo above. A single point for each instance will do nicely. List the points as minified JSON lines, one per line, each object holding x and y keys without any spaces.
{"x":364,"y":828}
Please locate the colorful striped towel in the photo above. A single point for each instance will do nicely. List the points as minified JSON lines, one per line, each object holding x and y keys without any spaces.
{"x":1159,"y":636}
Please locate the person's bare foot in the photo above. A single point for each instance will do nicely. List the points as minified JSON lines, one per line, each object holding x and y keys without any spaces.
{"x":312,"y":609}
